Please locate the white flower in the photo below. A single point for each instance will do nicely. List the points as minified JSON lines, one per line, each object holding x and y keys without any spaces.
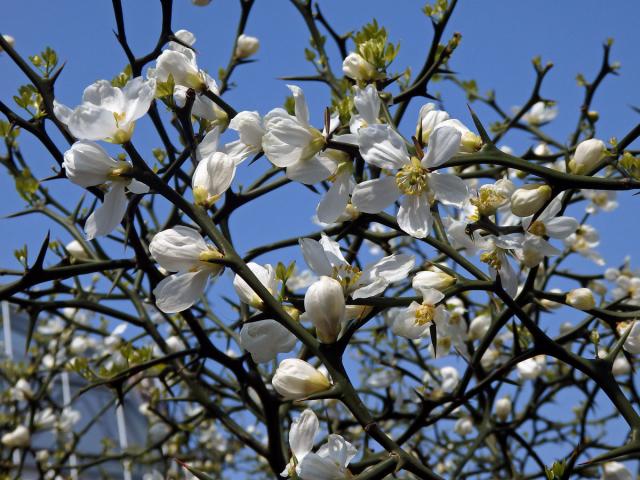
{"x":495,"y":255}
{"x":428,"y":119}
{"x":356,"y":67}
{"x":414,"y":321}
{"x":179,"y":62}
{"x":333,"y":204}
{"x":324,"y":258}
{"x":583,"y":241}
{"x":324,"y":305}
{"x":17,"y":438}
{"x":531,"y":368}
{"x":479,"y":326}
{"x":212,"y":177}
{"x":418,"y":186}
{"x":540,"y":113}
{"x":463,"y":427}
{"x":250,"y":130}
{"x":433,"y":277}
{"x":615,"y":471}
{"x":503,"y":408}
{"x":600,"y":200}
{"x":107,"y":112}
{"x":528,"y":199}
{"x":581,"y":298}
{"x":330,"y":462}
{"x":267,"y":277}
{"x":588,"y":153}
{"x":45,"y":419}
{"x":296,"y":379}
{"x":264,"y":339}
{"x":451,"y":329}
{"x":535,"y":247}
{"x":246,"y":46}
{"x":491,"y":197}
{"x":182,"y":250}
{"x":87,"y":164}
{"x":301,"y":438}
{"x":292,"y":143}
{"x":450,"y":378}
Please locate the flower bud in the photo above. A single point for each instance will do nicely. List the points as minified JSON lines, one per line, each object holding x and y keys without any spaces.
{"x":531,"y":368}
{"x":266,"y":275}
{"x":527,"y":200}
{"x":581,"y":298}
{"x":324,"y":304}
{"x":479,"y":326}
{"x":76,"y":250}
{"x":264,"y":339}
{"x":587,"y":155}
{"x":18,"y":438}
{"x":433,"y":277}
{"x":503,"y":408}
{"x":296,"y":379}
{"x":428,"y":119}
{"x":620,"y":366}
{"x":463,"y":427}
{"x":246,"y":46}
{"x":357,"y":68}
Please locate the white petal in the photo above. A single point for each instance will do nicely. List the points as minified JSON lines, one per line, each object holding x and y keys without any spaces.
{"x":414,"y":215}
{"x":315,"y":256}
{"x":443,"y":144}
{"x":332,"y":251}
{"x":367,"y":103}
{"x":449,"y":189}
{"x":334,"y":202}
{"x":302,"y":112}
{"x":311,"y":170}
{"x":431,"y":296}
{"x":109,"y":214}
{"x":178,"y":248}
{"x":373,"y":196}
{"x":561,"y":227}
{"x":62,"y":112}
{"x":404,"y":323}
{"x":89,"y":122}
{"x":382,"y":146}
{"x":209,"y":144}
{"x":138,"y":93}
{"x":376,"y":287}
{"x":392,"y":268}
{"x":180,"y":290}
{"x":135,"y":186}
{"x":265,"y":339}
{"x":249,"y":127}
{"x":88,"y":164}
{"x":303,"y":433}
{"x":104,"y":95}
{"x":338,"y":450}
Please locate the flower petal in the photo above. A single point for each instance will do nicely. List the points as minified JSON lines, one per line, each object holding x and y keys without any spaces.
{"x":449,"y":189}
{"x":414,"y":215}
{"x":382,"y":146}
{"x":180,"y":290}
{"x":443,"y":144}
{"x":315,"y":256}
{"x":109,"y":214}
{"x":334,"y":202}
{"x":373,"y":196}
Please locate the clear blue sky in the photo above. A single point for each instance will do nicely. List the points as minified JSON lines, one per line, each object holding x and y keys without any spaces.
{"x":499,"y":39}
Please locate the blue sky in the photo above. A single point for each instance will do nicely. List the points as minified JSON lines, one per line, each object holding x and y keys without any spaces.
{"x":499,"y":39}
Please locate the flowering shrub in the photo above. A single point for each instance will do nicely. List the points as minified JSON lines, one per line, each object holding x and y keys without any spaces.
{"x":423,"y":331}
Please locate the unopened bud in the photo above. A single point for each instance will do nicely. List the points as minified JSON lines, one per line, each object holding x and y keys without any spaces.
{"x":527,"y":200}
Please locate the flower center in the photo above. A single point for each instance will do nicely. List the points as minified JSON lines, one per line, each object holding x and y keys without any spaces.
{"x":425,"y":314}
{"x":347,"y":275}
{"x":492,"y":259}
{"x":121,"y":170}
{"x":316,"y":144}
{"x":600,"y":199}
{"x":208,"y":257}
{"x":538,"y":228}
{"x":488,"y":201}
{"x":413,"y":178}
